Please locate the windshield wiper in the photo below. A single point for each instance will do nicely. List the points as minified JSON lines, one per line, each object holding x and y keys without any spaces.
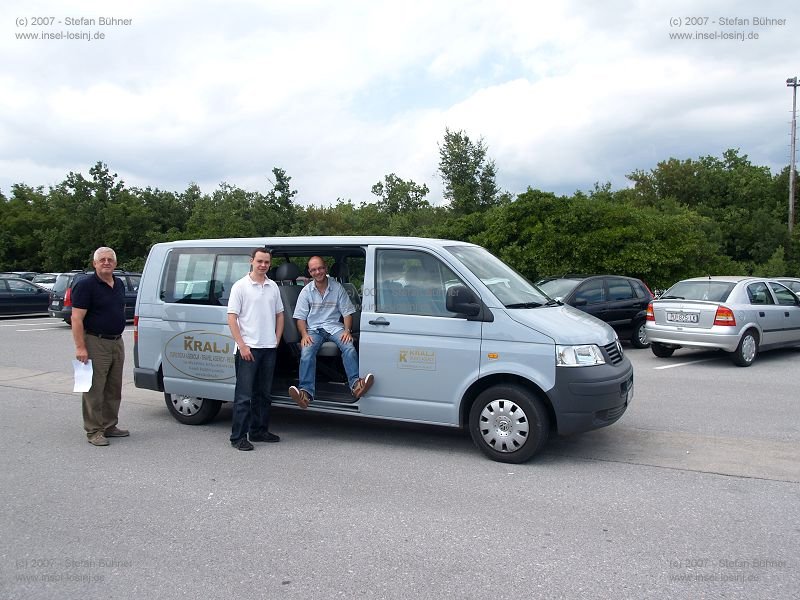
{"x":553,"y":302}
{"x":524,"y":305}
{"x":671,"y":298}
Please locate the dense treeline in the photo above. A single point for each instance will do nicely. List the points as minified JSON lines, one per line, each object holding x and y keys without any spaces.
{"x":683,"y":218}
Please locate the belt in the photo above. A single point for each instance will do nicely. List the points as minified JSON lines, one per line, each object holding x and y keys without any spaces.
{"x":104,"y":336}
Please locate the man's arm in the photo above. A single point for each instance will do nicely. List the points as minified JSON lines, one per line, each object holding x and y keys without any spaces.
{"x":279,"y":322}
{"x":244,"y":349}
{"x":81,"y":353}
{"x":346,"y":309}
{"x":347,"y":334}
{"x":302,"y":327}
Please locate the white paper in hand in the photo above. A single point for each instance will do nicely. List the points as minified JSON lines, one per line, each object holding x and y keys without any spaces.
{"x":83,"y":376}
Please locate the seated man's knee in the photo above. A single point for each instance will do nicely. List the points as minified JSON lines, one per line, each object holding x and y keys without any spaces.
{"x":309,"y":351}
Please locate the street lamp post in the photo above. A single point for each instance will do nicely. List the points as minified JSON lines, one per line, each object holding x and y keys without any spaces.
{"x":792,"y":83}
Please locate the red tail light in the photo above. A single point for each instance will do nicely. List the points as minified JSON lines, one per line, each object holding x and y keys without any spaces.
{"x":135,"y":328}
{"x":650,"y":316}
{"x":68,"y":297}
{"x":724,"y":316}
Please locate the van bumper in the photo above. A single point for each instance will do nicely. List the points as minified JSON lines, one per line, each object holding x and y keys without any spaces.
{"x":147,"y":379}
{"x":586,"y":398}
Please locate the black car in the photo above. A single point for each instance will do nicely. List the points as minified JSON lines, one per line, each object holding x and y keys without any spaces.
{"x":21,"y":297}
{"x":61,"y":294}
{"x":619,"y":301}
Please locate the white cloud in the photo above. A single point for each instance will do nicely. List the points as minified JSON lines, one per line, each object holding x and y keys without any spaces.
{"x":342,"y":94}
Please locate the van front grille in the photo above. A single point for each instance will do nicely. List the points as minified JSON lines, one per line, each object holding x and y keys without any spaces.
{"x":614,"y":353}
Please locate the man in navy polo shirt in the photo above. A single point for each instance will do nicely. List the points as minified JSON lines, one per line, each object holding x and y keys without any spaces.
{"x":98,"y":320}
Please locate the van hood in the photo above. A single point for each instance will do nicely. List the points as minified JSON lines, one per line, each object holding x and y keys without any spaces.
{"x":565,"y":324}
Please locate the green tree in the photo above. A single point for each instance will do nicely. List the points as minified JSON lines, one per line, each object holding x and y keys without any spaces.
{"x":228,"y":212}
{"x":275,"y":213}
{"x":737,"y":196}
{"x":469,"y":177}
{"x":398,"y":196}
{"x":23,"y":216}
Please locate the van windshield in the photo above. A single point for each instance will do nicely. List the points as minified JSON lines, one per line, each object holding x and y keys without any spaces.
{"x":511,"y":288}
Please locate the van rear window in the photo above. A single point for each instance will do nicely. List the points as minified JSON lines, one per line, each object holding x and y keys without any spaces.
{"x":202,"y":277}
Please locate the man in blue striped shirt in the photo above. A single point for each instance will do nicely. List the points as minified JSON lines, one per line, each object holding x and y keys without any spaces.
{"x":321,"y":307}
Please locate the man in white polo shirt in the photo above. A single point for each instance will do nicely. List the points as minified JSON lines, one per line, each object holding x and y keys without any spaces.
{"x":255,"y":317}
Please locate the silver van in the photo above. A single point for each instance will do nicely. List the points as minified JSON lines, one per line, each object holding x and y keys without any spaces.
{"x":454,"y":336}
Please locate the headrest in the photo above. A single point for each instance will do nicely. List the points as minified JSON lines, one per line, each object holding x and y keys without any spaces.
{"x":287,"y":272}
{"x":340,"y":271}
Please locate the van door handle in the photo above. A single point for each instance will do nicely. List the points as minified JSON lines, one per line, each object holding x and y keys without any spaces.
{"x":761,"y":314}
{"x":380,"y":321}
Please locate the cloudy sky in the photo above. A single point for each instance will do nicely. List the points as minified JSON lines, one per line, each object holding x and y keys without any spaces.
{"x":340,"y":94}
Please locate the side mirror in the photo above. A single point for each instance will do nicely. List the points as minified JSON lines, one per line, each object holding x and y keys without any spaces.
{"x":460,"y":299}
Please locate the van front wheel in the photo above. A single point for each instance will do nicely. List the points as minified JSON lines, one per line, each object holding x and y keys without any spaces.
{"x":508,"y":424}
{"x":191,"y":410}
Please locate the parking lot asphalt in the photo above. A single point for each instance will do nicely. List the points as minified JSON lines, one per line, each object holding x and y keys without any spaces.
{"x":693,"y":493}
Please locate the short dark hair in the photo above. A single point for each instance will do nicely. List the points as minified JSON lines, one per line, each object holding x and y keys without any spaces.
{"x":263,"y":249}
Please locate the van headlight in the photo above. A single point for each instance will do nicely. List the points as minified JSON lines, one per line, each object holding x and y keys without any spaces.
{"x":579,"y":356}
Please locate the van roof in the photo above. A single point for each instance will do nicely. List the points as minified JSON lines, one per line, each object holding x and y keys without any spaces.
{"x":341,"y":240}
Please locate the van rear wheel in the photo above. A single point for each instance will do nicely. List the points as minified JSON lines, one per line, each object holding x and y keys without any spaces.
{"x":508,"y":424}
{"x":191,"y":410}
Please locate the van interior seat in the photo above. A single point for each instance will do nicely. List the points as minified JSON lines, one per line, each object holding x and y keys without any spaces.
{"x":285,"y":276}
{"x":340,"y":272}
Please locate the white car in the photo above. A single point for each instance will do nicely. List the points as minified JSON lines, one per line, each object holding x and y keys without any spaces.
{"x":740,"y":315}
{"x":45,"y":280}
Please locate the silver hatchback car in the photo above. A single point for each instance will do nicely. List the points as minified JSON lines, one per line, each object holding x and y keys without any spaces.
{"x":740,"y":315}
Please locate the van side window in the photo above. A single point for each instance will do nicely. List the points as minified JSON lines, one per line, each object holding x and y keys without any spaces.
{"x":413,"y":283}
{"x":202,"y":277}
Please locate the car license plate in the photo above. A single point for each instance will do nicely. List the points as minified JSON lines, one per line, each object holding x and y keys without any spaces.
{"x":54,"y":303}
{"x":682,"y":317}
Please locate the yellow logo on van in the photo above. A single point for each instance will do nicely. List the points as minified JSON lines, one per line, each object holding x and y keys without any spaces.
{"x":202,"y":355}
{"x":416,"y":358}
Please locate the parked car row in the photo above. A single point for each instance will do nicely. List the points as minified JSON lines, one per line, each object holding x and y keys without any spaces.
{"x":60,"y":306}
{"x":50,"y":293}
{"x":21,"y":297}
{"x":28,"y":275}
{"x":739,"y":315}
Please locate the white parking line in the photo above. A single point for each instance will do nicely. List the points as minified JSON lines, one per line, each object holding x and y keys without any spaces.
{"x":686,"y":364}
{"x":17,"y":323}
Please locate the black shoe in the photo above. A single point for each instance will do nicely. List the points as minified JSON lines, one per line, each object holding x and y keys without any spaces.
{"x":264,"y":437}
{"x":242,"y":444}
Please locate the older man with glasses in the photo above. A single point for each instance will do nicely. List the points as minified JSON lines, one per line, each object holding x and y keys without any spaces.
{"x":98,"y":320}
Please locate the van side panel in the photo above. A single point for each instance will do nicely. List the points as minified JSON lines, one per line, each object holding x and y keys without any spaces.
{"x":147,"y":351}
{"x":511,"y":348}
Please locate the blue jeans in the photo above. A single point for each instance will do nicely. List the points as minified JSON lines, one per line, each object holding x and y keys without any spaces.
{"x":308,"y":359}
{"x":251,"y":399}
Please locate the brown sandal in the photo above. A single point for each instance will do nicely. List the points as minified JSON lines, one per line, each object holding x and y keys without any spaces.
{"x":301,"y":397}
{"x":362,"y":386}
